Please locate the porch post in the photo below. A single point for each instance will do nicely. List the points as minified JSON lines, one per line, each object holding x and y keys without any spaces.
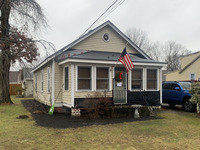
{"x":160,"y":86}
{"x":72,"y":85}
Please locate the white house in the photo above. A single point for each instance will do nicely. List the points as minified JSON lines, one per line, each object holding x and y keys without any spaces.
{"x":90,"y":64}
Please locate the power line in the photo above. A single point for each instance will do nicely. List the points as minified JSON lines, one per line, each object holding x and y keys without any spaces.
{"x":109,"y":10}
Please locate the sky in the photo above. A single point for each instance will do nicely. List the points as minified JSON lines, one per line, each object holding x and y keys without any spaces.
{"x":162,"y":20}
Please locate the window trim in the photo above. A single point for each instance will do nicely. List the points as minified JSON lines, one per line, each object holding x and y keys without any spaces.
{"x":42,"y":80}
{"x":48,"y":79}
{"x":192,"y":73}
{"x":36,"y":82}
{"x":104,"y":67}
{"x":142,"y":89}
{"x":67,"y":79}
{"x":91,"y":77}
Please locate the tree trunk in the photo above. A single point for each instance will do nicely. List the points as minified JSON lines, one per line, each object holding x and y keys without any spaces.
{"x":5,"y":56}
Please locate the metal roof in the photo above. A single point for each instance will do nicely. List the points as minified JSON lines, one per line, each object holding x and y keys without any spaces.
{"x":66,"y":48}
{"x":104,"y":56}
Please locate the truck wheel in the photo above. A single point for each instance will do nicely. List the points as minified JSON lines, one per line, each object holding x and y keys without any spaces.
{"x":188,"y":106}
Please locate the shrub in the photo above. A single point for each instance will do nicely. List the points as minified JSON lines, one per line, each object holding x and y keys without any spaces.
{"x":96,"y":106}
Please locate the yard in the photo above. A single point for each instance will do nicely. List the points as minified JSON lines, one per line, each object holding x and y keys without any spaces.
{"x":175,"y":130}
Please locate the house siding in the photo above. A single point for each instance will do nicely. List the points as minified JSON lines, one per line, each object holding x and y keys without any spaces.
{"x":188,"y":59}
{"x":185,"y":75}
{"x":95,"y":42}
{"x":45,"y":95}
{"x":66,"y":94}
{"x":59,"y":83}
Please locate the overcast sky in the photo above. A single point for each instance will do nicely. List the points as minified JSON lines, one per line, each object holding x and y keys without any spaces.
{"x":163,"y":20}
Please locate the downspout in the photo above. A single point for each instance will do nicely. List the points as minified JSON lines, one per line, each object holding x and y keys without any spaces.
{"x":53,"y":83}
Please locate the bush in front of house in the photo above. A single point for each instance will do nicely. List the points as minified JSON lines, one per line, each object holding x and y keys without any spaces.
{"x":96,"y":107}
{"x":195,"y":91}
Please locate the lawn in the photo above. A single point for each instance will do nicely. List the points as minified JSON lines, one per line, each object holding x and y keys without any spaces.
{"x":177,"y":130}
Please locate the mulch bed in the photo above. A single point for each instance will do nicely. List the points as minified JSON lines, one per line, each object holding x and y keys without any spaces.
{"x":62,"y":120}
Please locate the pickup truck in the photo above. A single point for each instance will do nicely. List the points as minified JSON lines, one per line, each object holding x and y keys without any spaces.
{"x":177,"y":93}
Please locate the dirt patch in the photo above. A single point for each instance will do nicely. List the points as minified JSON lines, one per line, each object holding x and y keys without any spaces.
{"x":61,"y":120}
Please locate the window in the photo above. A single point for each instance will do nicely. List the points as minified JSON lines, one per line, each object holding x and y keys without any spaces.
{"x":35,"y":82}
{"x":174,"y":86}
{"x":102,"y":79}
{"x":137,"y":79}
{"x":106,"y":37}
{"x":66,"y":78}
{"x":84,"y":78}
{"x":151,"y":79}
{"x":192,"y":76}
{"x":48,"y":78}
{"x":42,"y":82}
{"x":166,"y":86}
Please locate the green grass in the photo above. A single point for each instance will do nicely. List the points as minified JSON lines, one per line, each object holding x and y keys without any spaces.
{"x":176,"y":131}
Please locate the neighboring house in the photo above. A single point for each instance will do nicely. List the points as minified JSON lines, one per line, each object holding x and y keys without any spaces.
{"x":27,"y":81}
{"x":22,"y":79}
{"x":14,"y":77}
{"x":164,"y":72}
{"x":14,"y":81}
{"x":190,"y":70}
{"x":90,"y":65}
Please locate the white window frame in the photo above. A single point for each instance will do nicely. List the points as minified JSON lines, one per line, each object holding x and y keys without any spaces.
{"x":143,"y":79}
{"x":42,"y":81}
{"x":157,"y":78}
{"x":67,"y":78}
{"x":48,"y":79}
{"x":108,"y":89}
{"x":192,"y":73}
{"x":36,"y":82}
{"x":91,"y":75}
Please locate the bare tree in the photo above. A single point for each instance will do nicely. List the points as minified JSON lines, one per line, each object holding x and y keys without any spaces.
{"x":140,"y":38}
{"x":15,"y":41}
{"x":173,"y":52}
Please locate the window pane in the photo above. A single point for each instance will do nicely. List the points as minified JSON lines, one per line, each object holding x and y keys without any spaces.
{"x":66,"y":78}
{"x":136,"y":84}
{"x":102,"y":72}
{"x":48,"y":78}
{"x":137,"y":77}
{"x":84,"y":72}
{"x":84,"y":78}
{"x":152,"y":79}
{"x":84,"y":84}
{"x":192,"y":76}
{"x":102,"y":84}
{"x":151,"y":84}
{"x":166,"y":86}
{"x":137,"y":74}
{"x":151,"y":74}
{"x":102,"y":79}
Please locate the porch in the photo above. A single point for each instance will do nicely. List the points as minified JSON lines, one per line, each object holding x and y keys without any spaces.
{"x":144,"y":98}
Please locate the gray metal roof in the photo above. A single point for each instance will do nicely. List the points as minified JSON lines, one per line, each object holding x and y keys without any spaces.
{"x":104,"y":56}
{"x":66,"y":48}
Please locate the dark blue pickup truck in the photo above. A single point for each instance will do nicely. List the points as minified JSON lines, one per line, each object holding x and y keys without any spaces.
{"x":177,"y":93}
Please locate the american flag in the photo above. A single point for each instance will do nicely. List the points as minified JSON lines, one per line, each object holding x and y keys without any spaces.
{"x":126,"y":60}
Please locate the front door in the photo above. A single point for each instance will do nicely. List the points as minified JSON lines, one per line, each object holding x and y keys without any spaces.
{"x":120,"y":86}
